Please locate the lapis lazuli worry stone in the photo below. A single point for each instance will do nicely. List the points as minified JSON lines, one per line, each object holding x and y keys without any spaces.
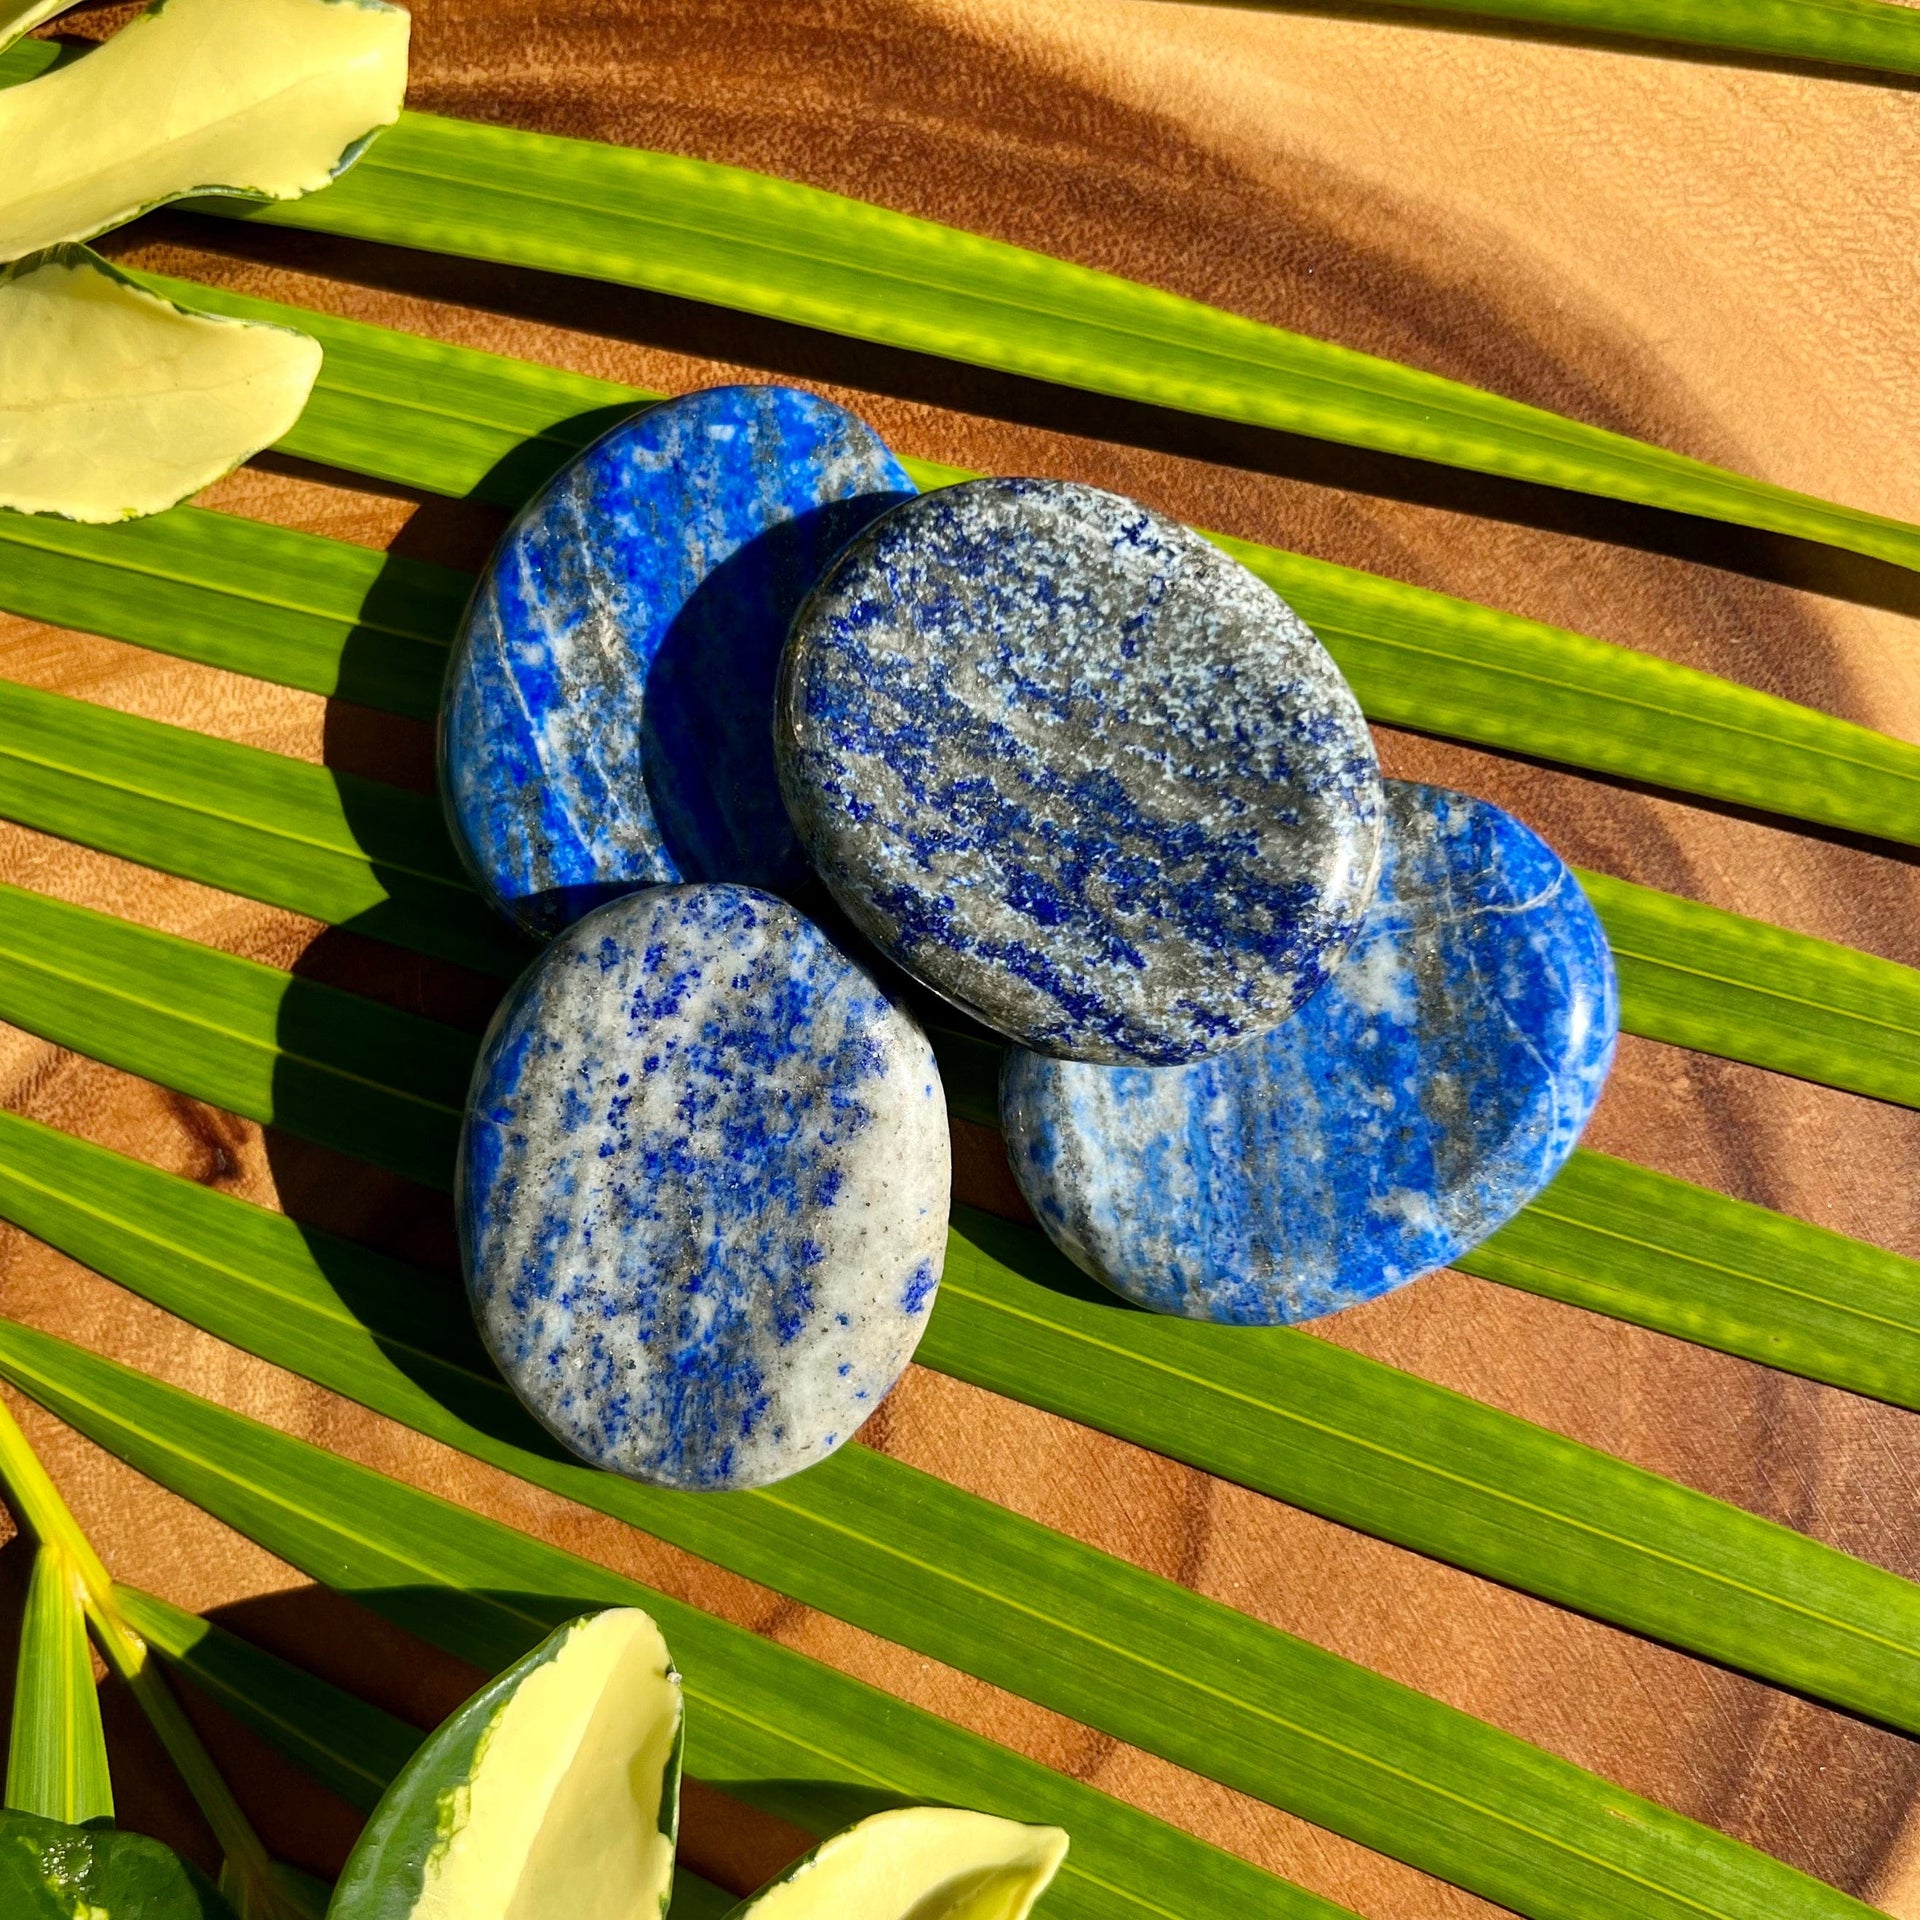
{"x":703,"y":1189}
{"x":1078,"y":771}
{"x":609,"y":709}
{"x":1429,"y":1090}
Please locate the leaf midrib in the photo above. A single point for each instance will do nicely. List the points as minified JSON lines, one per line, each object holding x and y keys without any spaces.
{"x":268,"y":829}
{"x":1486,"y":1490}
{"x":1543,"y":438}
{"x":12,"y":532}
{"x":272,"y":1049}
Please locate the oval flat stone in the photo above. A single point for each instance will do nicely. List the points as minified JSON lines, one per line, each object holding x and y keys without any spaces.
{"x":609,"y":709}
{"x":1433,"y":1086}
{"x":1078,"y":771}
{"x":703,"y":1189}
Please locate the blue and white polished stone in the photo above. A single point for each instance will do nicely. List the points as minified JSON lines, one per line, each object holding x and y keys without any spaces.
{"x":703,"y":1189}
{"x":1428,"y":1092}
{"x":609,"y":710}
{"x":1078,"y":771}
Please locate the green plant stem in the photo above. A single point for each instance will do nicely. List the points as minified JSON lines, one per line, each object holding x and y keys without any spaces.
{"x":57,"y":1752}
{"x":40,"y":1508}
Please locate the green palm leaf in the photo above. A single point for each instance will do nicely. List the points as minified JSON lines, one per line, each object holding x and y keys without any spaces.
{"x":1359,"y":1754}
{"x":455,"y":421}
{"x":57,"y":1751}
{"x":1845,"y":33}
{"x":731,"y":238}
{"x":294,"y":608}
{"x":388,"y":1087}
{"x":331,"y":1066}
{"x":348,"y":1746}
{"x":329,"y":844}
{"x":339,"y":1740}
{"x":353,"y":851}
{"x":1276,"y":1410}
{"x":1606,"y":1235}
{"x":767,"y":1725}
{"x":1697,"y":976}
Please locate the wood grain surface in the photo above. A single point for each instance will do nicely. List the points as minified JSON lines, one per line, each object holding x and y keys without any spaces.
{"x":1716,"y":256}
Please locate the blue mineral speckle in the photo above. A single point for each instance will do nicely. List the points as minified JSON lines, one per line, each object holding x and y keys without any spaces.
{"x":608,"y":714}
{"x":1435,"y":1085}
{"x":1078,"y":771}
{"x":702,"y":1196}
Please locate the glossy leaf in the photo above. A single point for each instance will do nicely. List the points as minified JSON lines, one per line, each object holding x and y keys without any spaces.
{"x":554,"y":1789}
{"x":115,"y":402}
{"x":342,"y":1741}
{"x":266,"y":99}
{"x":916,"y":1863}
{"x":453,"y":420}
{"x":57,"y":1750}
{"x":1274,"y":1409}
{"x":1357,"y":1753}
{"x":50,"y":1871}
{"x":22,"y":16}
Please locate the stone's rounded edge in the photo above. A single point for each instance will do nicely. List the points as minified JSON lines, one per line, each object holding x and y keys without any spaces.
{"x":1171,"y":1187}
{"x":561,"y":784}
{"x":791,"y":1288}
{"x":857,"y":849}
{"x":456,"y":736}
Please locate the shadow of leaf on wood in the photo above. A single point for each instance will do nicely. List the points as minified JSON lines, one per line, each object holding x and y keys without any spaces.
{"x":736,"y":1833}
{"x":783,"y":350}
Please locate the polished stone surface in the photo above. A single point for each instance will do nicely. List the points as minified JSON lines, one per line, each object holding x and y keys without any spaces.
{"x":1430,"y":1089}
{"x":1078,"y":771}
{"x":609,"y":711}
{"x":703,"y":1189}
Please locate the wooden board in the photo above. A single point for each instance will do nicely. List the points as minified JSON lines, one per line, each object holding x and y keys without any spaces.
{"x":1717,"y":257}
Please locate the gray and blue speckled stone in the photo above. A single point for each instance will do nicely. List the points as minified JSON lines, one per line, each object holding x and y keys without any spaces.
{"x":703,"y":1189}
{"x":1433,"y":1086}
{"x":1078,"y":771}
{"x":608,"y":718}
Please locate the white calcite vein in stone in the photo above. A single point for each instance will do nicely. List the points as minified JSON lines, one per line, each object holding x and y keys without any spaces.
{"x":703,"y":1189}
{"x":1078,"y":771}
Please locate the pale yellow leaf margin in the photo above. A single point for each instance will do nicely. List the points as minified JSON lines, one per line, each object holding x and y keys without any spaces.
{"x":115,"y":402}
{"x":264,"y":99}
